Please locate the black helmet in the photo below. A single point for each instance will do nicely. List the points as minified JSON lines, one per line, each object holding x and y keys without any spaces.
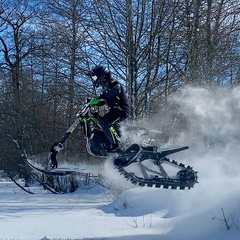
{"x":98,"y":75}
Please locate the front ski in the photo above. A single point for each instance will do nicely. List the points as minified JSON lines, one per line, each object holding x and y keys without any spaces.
{"x":55,"y":171}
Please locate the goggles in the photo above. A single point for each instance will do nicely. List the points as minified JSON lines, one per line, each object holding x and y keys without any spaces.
{"x":94,"y":78}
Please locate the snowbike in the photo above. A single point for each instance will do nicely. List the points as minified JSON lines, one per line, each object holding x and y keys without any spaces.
{"x":143,"y":165}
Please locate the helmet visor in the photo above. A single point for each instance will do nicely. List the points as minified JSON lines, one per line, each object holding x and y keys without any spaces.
{"x":94,"y":78}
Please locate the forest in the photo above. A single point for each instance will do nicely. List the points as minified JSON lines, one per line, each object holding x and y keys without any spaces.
{"x":154,"y":48}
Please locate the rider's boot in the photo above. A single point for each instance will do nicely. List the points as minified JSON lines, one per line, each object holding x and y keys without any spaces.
{"x":129,"y":156}
{"x":114,"y":145}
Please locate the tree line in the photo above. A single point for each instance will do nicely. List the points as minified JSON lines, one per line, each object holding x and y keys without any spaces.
{"x":154,"y":48}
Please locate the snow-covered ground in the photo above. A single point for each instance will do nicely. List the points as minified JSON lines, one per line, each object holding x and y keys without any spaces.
{"x":209,"y":211}
{"x":137,"y":213}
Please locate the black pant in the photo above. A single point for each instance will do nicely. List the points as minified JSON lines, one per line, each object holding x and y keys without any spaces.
{"x":114,"y":116}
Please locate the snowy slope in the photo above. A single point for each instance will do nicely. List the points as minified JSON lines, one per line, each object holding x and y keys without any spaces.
{"x":137,"y":213}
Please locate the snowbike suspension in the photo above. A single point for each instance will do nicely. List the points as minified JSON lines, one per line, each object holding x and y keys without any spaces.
{"x":154,"y":174}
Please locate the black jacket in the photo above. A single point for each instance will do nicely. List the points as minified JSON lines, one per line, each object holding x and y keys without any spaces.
{"x":115,"y":96}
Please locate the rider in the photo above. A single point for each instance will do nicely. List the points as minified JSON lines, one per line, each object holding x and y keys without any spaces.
{"x":115,"y":97}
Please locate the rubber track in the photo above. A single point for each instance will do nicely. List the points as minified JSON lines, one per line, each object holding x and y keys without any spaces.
{"x":159,"y":182}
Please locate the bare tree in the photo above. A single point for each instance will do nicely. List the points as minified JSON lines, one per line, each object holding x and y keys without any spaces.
{"x":16,"y":45}
{"x":134,"y":38}
{"x":66,"y":18}
{"x":211,"y":30}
